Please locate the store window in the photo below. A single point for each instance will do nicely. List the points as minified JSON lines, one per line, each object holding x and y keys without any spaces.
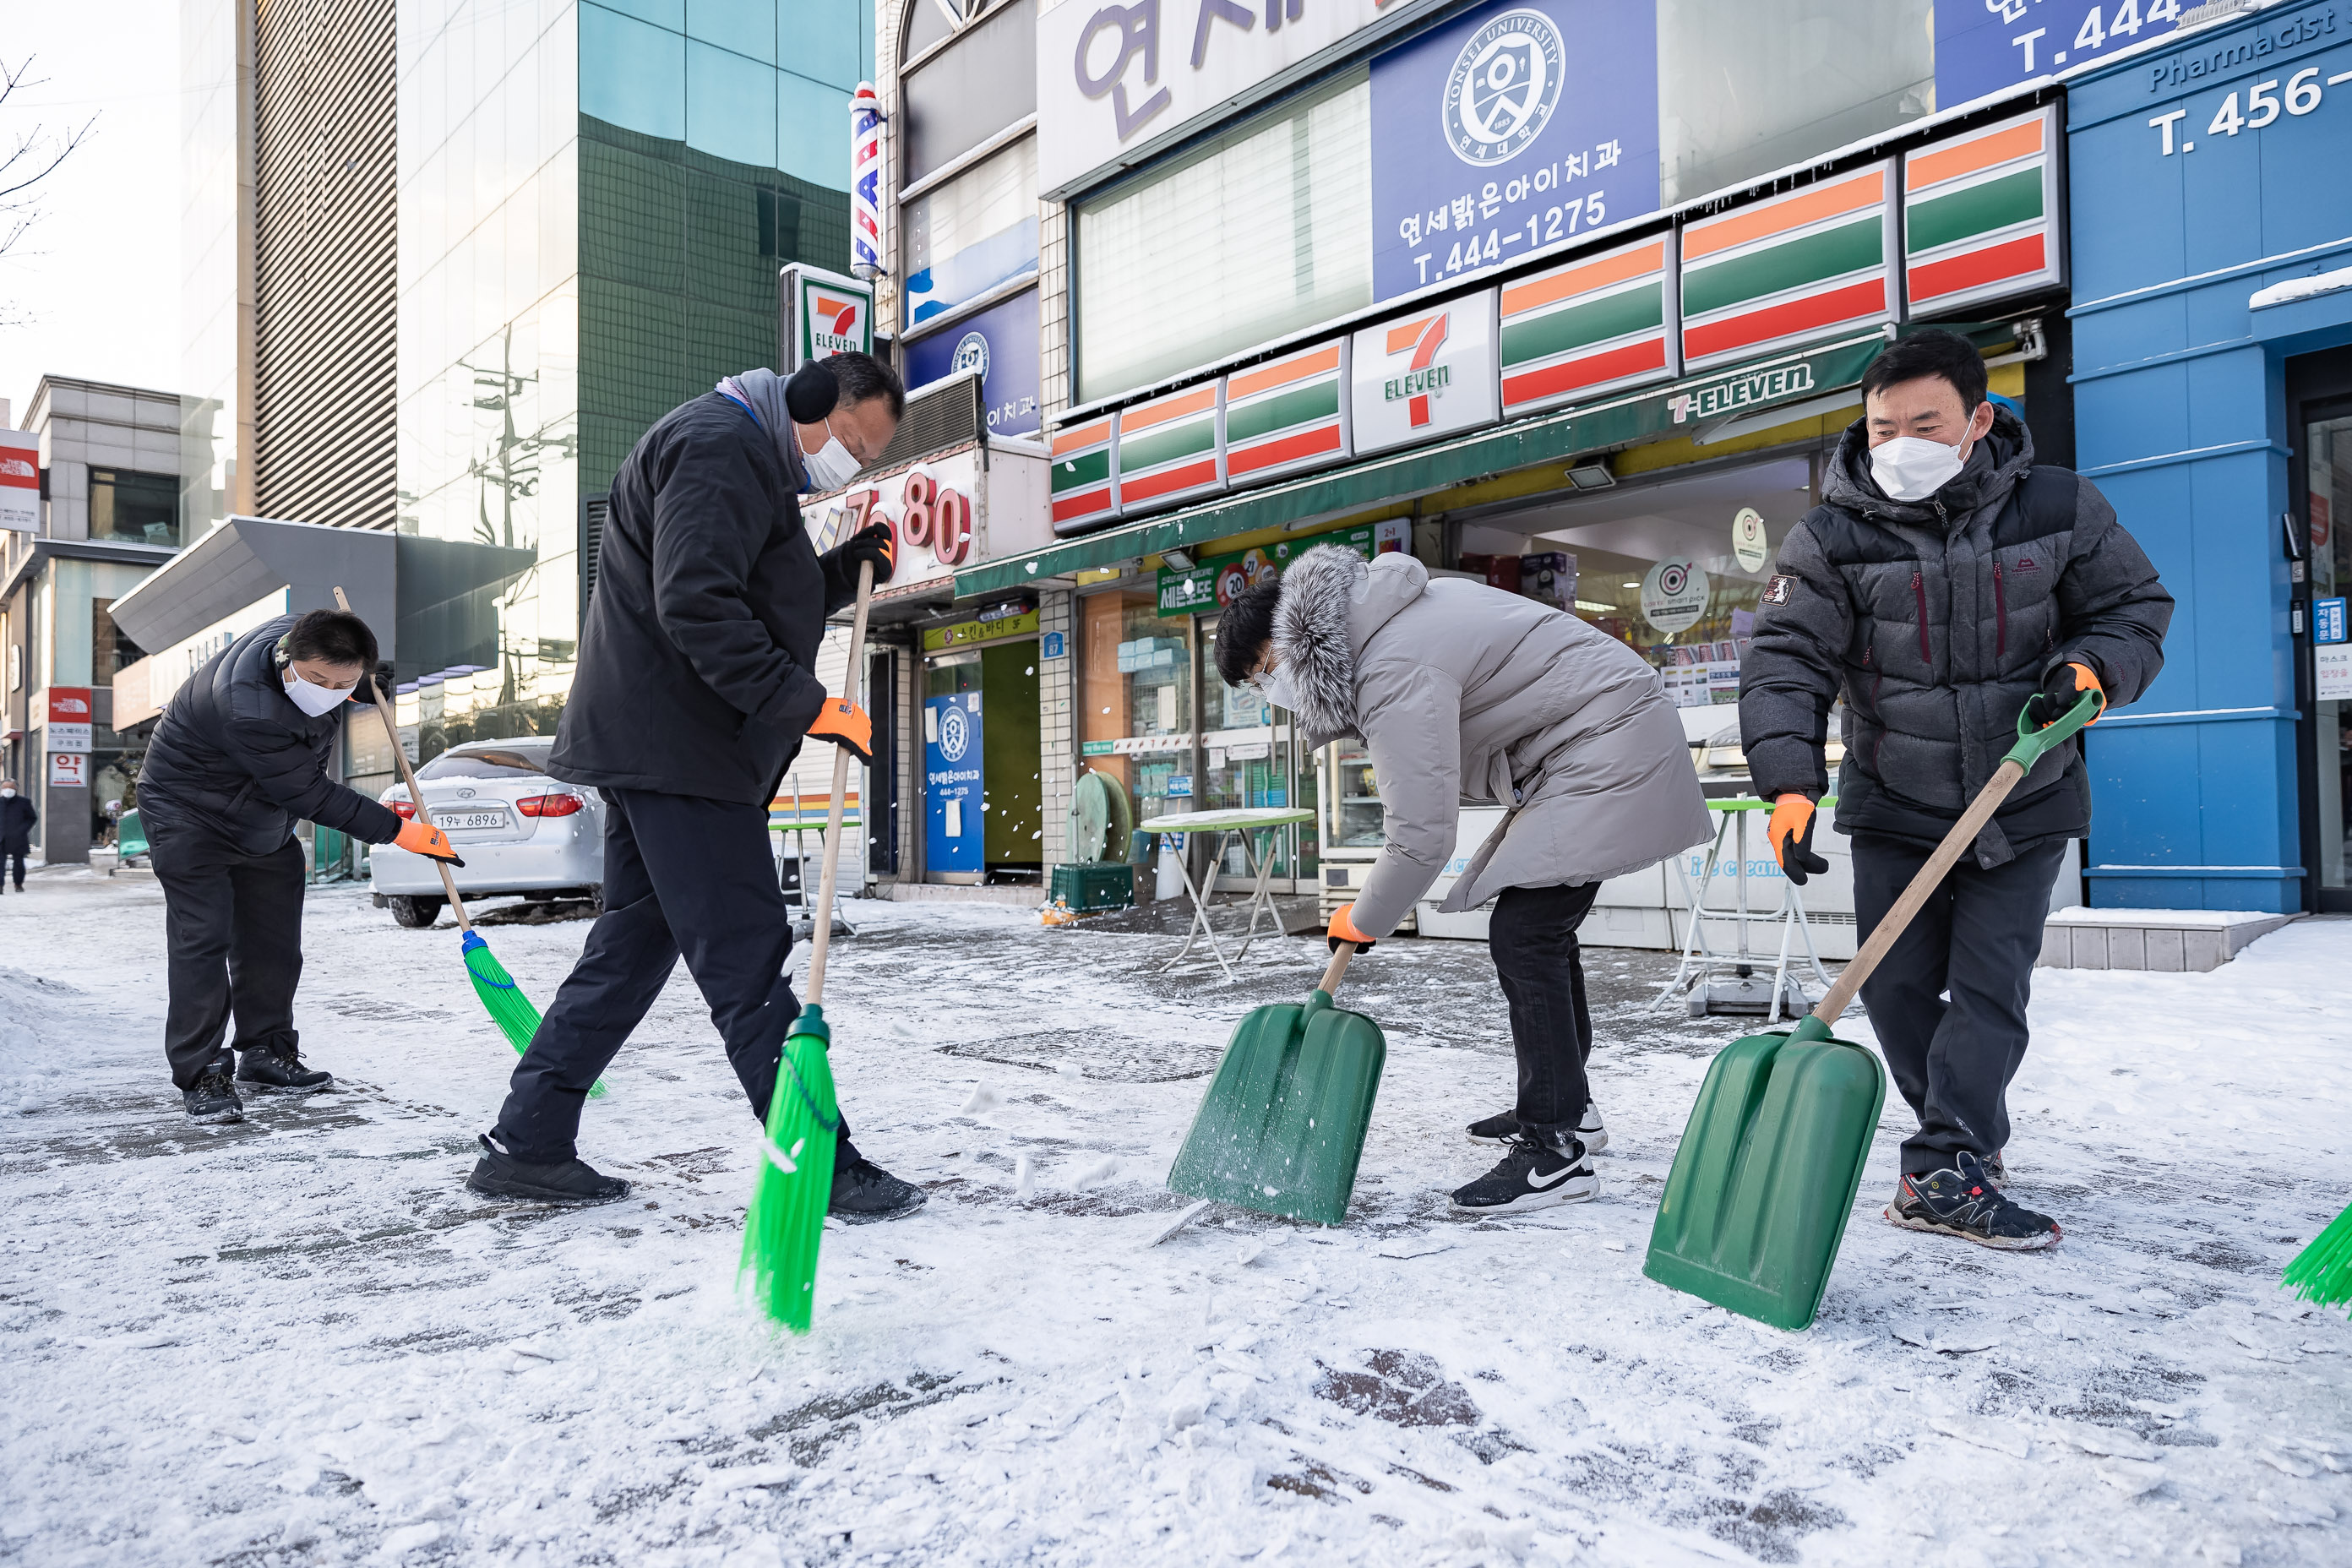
{"x":2327,"y":449}
{"x":1136,"y":686}
{"x":1264,"y":230}
{"x":1249,"y":758}
{"x":971,"y":234}
{"x":143,"y":509}
{"x":110,"y":648}
{"x":971,"y":93}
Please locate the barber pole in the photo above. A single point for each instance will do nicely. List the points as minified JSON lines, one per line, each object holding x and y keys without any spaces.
{"x":865,"y":183}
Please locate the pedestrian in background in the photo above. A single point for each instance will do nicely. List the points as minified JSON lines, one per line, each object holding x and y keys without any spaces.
{"x":243,"y":751}
{"x":697,"y":684}
{"x":17,"y":820}
{"x":1946,"y":582}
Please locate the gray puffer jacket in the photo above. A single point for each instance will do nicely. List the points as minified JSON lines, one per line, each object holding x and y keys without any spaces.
{"x":1464,"y":691}
{"x":1937,"y":619}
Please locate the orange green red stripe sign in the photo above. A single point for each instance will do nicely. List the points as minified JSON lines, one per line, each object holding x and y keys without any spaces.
{"x":1595,"y":324}
{"x":1168,"y":448}
{"x":1814,"y":261}
{"x":1080,"y":469}
{"x":1980,"y":214}
{"x":1288,"y":415}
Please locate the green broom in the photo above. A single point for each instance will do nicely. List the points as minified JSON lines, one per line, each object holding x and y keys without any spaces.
{"x":508,"y":1008}
{"x":2322,"y":1272}
{"x":795,"y":1188}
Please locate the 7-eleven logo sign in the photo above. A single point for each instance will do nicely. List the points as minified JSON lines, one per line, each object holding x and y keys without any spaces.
{"x":1423,"y":378}
{"x":834,"y":324}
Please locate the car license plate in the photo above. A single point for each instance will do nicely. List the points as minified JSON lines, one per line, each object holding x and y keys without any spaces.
{"x":458,"y":821}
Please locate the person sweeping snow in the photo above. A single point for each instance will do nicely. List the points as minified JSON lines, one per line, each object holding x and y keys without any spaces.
{"x":1945,"y":583}
{"x":696,"y":687}
{"x":1464,"y":692}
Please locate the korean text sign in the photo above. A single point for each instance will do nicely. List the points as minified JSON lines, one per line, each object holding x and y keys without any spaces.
{"x":1524,"y":123}
{"x":1000,"y":343}
{"x":1983,"y":45}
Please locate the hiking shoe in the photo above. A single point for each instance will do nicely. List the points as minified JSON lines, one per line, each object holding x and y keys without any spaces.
{"x":213,"y":1097}
{"x":1530,"y":1177}
{"x":865,"y":1191}
{"x":1968,"y":1203}
{"x":280,"y":1071}
{"x":572,"y":1182}
{"x":1502,"y":1129}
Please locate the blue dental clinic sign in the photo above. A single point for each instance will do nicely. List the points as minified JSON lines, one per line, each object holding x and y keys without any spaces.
{"x":1517,"y":127}
{"x":1983,"y":45}
{"x":1000,"y":343}
{"x":952,"y":821}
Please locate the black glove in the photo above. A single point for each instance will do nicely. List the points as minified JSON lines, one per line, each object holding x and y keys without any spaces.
{"x":2060,"y":690}
{"x":384,"y":681}
{"x":875,"y":543}
{"x":1791,"y":833}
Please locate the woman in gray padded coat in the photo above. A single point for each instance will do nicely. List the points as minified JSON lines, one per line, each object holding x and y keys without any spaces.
{"x":1463,"y":691}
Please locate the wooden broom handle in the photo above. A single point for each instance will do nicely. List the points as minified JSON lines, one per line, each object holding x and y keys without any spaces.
{"x":408,"y":775}
{"x":821,"y":931}
{"x":1338,"y":968}
{"x":1922,"y":886}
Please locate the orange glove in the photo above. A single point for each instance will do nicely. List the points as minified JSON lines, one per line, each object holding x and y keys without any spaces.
{"x":2060,"y":690}
{"x":844,"y":723}
{"x":1343,"y":929}
{"x":419,"y":837}
{"x":1791,"y":833}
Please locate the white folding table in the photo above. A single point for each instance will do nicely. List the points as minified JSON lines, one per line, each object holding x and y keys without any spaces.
{"x":1239,"y":820}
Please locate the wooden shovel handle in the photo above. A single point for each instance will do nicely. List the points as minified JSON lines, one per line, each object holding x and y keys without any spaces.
{"x":407,"y":775}
{"x":1338,"y":968}
{"x":821,"y":930}
{"x":1931,"y":877}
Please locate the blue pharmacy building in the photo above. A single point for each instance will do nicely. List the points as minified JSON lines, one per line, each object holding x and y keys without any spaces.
{"x":2211,"y":214}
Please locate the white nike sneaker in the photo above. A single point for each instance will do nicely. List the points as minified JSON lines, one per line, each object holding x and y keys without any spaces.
{"x":1504,"y":1127}
{"x":1530,"y":1177}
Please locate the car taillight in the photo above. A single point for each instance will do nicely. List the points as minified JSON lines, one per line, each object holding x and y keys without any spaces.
{"x":401,"y":808}
{"x":550,"y":804}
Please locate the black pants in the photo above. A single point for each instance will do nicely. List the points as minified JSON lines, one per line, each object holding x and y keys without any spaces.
{"x":1532,"y":938}
{"x":1948,"y":1000}
{"x":233,"y":934}
{"x":683,"y":876}
{"x":13,"y":855}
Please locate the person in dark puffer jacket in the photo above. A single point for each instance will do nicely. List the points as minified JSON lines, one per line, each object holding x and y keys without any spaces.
{"x":1944,"y":584}
{"x":243,"y":750}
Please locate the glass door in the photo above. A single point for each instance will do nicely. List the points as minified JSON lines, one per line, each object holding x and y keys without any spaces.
{"x":1249,"y":758}
{"x":2326,"y":460}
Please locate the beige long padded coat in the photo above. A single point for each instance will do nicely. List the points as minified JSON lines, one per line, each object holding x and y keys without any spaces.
{"x":1463,"y":691}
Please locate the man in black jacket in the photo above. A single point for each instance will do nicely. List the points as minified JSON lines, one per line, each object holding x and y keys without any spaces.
{"x":695,"y":687}
{"x":1943,"y":584}
{"x":17,"y":820}
{"x":242,"y":754}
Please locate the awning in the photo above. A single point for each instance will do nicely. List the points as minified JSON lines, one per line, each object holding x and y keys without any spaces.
{"x":246,"y":557}
{"x":1686,"y":407}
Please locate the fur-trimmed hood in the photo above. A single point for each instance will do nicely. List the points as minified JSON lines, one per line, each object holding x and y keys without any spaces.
{"x":1332,"y":601}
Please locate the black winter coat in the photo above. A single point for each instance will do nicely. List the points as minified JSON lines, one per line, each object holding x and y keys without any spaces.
{"x":698,"y":658}
{"x":234,"y":758}
{"x":17,"y":820}
{"x":1937,"y":619}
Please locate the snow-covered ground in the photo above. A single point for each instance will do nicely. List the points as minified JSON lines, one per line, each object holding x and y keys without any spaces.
{"x":300,"y":1340}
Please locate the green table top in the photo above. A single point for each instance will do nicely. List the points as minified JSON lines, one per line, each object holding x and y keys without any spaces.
{"x":1237,"y":817}
{"x":1749,"y":802}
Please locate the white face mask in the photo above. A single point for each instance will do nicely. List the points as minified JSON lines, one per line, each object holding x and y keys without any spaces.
{"x":8,"y":794}
{"x":1911,"y":468}
{"x":313,"y":699}
{"x":830,"y":467}
{"x":1274,"y":687}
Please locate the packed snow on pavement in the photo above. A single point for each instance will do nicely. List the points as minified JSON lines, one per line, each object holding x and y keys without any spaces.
{"x":300,"y":1340}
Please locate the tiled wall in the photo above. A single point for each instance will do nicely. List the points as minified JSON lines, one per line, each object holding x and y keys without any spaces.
{"x":1057,"y":758}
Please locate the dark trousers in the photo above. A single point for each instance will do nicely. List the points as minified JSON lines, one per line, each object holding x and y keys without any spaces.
{"x":1948,"y":1000}
{"x":1532,"y":938}
{"x":232,"y":936}
{"x":683,"y":876}
{"x":13,"y":857}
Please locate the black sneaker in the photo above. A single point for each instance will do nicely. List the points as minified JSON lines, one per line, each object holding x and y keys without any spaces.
{"x":1967,"y":1201}
{"x":865,"y":1192}
{"x":1502,"y":1129}
{"x":272,"y":1071}
{"x":1532,"y":1175}
{"x":214,"y":1099}
{"x":574,"y":1181}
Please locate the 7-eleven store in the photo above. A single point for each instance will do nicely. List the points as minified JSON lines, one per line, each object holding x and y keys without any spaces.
{"x":1627,"y":431}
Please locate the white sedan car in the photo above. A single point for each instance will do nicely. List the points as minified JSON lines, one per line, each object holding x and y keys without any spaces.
{"x":518,"y":830}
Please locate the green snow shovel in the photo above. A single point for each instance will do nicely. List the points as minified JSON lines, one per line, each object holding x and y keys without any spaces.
{"x":1283,"y":1124}
{"x":1757,"y":1201}
{"x":501,"y":998}
{"x":794,"y":1188}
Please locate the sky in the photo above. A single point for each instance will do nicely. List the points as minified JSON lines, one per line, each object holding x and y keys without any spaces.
{"x":100,"y":274}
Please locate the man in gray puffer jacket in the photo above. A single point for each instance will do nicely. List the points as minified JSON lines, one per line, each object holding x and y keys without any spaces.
{"x":1943,"y":584}
{"x":1464,"y":692}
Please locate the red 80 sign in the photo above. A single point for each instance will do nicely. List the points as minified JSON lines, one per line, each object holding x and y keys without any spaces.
{"x":932,"y":516}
